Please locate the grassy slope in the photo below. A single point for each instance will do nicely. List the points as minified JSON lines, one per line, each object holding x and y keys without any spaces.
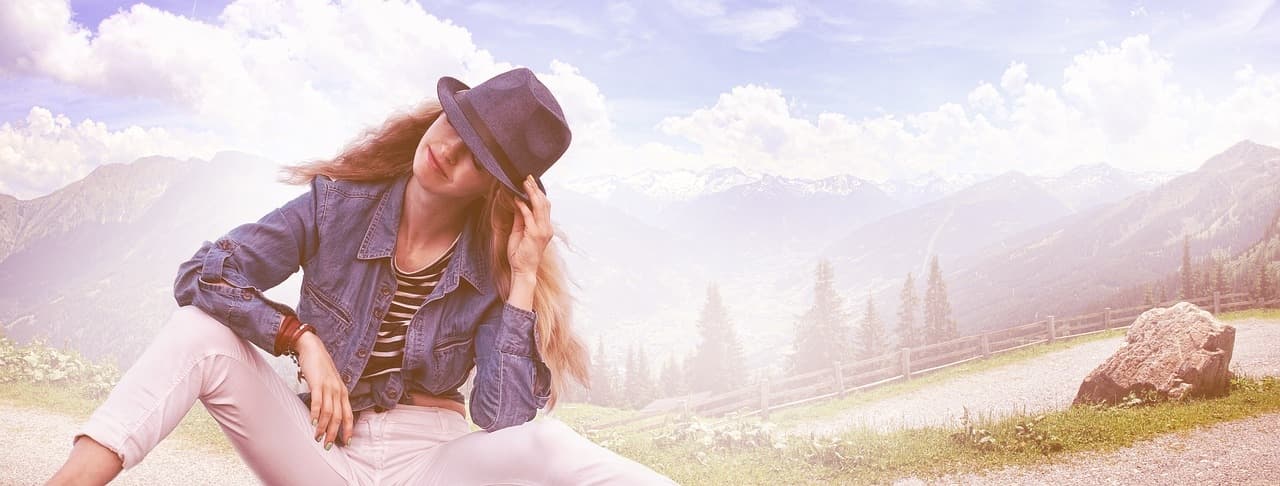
{"x":857,"y":456}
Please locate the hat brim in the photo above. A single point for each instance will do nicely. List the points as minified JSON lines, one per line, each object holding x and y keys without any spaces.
{"x":446,"y":89}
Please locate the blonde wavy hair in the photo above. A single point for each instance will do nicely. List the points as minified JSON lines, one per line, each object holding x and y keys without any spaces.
{"x":386,"y":151}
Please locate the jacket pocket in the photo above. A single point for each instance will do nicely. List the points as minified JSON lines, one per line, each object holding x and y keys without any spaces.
{"x":329,"y":304}
{"x":453,"y":356}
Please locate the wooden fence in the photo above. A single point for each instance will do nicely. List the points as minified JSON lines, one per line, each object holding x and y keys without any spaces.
{"x":907,"y":363}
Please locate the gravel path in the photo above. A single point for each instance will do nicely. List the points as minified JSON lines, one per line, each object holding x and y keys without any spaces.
{"x":1243,"y":452}
{"x":1044,"y":383}
{"x":36,"y":443}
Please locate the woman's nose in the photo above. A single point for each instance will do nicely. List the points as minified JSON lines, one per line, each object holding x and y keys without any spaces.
{"x":454,"y":149}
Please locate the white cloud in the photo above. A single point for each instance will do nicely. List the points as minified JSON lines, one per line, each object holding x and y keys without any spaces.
{"x":751,"y":27}
{"x":296,"y":81}
{"x":622,"y":12}
{"x":39,"y":36}
{"x":700,"y":8}
{"x":512,"y":12}
{"x":292,"y":81}
{"x":1122,"y":87}
{"x":986,"y":99}
{"x":758,"y":26}
{"x":752,"y":126}
{"x":1116,"y":105}
{"x":1014,"y":78}
{"x":46,"y":151}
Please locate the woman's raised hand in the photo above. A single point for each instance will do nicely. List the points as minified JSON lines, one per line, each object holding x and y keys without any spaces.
{"x":531,"y":231}
{"x":330,"y":406}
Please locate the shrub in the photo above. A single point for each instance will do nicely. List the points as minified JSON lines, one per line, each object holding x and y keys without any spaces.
{"x":38,"y":363}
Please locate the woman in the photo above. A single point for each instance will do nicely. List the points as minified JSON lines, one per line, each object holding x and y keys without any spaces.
{"x":424,"y":249}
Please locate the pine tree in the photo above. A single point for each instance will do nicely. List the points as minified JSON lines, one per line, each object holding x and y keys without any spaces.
{"x":1220,"y":284}
{"x":602,"y":379}
{"x":1265,"y":282}
{"x":630,"y":383}
{"x":871,"y":338}
{"x":1206,"y":283}
{"x":822,"y":334}
{"x":939,"y":326}
{"x":909,"y":333}
{"x":646,"y":390}
{"x":1188,"y":278}
{"x":671,"y":379}
{"x":717,"y":363}
{"x":638,"y":381}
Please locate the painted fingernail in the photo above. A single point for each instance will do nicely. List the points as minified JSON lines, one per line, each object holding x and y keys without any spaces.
{"x":328,"y":445}
{"x":314,"y":422}
{"x":318,"y":437}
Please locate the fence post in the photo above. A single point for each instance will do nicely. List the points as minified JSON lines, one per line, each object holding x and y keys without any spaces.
{"x":906,"y":363}
{"x":986,"y":346}
{"x":839,"y":378}
{"x":1216,"y":309}
{"x":1053,"y":328}
{"x":764,"y":398}
{"x":1106,"y":319}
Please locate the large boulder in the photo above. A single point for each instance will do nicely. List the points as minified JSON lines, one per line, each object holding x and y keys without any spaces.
{"x":1175,"y":352}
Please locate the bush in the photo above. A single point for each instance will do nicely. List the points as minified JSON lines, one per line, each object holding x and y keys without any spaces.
{"x":38,"y":363}
{"x":728,"y":435}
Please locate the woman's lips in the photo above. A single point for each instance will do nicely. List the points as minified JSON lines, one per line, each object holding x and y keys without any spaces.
{"x":431,"y":158}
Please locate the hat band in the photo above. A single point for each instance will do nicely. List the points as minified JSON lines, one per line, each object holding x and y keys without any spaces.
{"x":489,"y":140}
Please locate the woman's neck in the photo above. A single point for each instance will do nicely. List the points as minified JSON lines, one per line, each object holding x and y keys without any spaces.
{"x":426,"y":219}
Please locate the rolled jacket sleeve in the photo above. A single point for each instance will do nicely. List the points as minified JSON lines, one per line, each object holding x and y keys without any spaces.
{"x":226,"y":278}
{"x":512,"y":382}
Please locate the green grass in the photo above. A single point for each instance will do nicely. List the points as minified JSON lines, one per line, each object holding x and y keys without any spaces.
{"x":862,"y":457}
{"x":197,"y":430}
{"x":859,"y":456}
{"x":834,"y":407}
{"x":586,"y":416}
{"x":1267,"y":314}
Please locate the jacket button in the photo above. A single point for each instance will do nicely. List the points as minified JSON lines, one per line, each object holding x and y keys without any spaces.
{"x":377,"y":315}
{"x":246,"y":295}
{"x":346,"y":377}
{"x":391,"y":393}
{"x":224,"y":244}
{"x":362,"y":352}
{"x":385,"y":291}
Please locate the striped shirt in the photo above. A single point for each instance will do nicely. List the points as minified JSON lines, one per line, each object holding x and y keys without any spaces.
{"x":412,"y":289}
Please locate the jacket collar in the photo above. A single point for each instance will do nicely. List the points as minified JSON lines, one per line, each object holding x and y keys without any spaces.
{"x":468,"y":260}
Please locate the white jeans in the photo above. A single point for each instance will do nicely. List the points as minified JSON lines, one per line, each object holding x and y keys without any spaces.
{"x":195,"y":357}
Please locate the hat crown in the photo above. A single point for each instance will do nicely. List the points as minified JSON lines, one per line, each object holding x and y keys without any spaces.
{"x":511,"y":122}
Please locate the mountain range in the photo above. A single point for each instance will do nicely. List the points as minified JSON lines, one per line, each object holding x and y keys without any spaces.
{"x":1063,"y":267}
{"x":92,"y":264}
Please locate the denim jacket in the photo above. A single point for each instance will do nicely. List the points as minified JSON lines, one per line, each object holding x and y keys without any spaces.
{"x":342,"y":234}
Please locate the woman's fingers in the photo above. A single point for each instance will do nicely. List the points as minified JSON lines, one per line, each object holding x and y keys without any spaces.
{"x":535,"y":226}
{"x":541,"y":205}
{"x":321,"y":420}
{"x":348,"y":419}
{"x":335,"y":417}
{"x":527,"y":221}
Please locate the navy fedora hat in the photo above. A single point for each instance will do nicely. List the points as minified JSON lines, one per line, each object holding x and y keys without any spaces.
{"x":511,"y":123}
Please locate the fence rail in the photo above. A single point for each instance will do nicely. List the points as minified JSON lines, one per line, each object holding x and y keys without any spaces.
{"x":908,"y":363}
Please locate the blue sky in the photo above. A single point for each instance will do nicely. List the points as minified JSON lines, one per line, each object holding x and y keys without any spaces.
{"x":806,"y":89}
